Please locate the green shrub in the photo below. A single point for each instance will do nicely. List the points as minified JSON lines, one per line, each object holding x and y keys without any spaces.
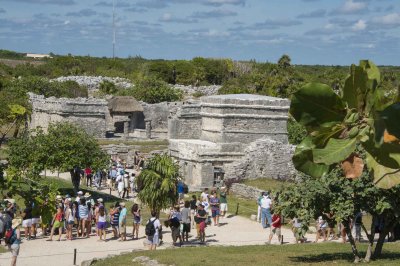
{"x":108,"y":87}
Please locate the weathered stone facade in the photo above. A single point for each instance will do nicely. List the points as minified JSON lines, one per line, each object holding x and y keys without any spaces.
{"x":231,"y":136}
{"x":89,"y":113}
{"x":97,"y":118}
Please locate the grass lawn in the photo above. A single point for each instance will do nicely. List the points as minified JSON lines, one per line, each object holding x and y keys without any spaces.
{"x":266,"y":183}
{"x":300,"y":254}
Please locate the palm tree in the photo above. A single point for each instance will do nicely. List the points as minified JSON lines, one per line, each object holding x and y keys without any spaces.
{"x":158,"y":182}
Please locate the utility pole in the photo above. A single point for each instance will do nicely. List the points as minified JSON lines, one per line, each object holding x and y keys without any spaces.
{"x":113,"y":43}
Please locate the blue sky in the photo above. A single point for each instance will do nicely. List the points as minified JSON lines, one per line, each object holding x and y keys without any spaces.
{"x":311,"y":31}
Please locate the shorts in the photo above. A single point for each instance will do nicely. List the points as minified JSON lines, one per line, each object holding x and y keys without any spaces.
{"x":122,"y":229}
{"x":71,"y":222}
{"x":214,"y":213}
{"x":223,"y":207}
{"x":27,"y":223}
{"x":202,"y":226}
{"x":35,"y":221}
{"x":136,"y":219}
{"x":153,"y":240}
{"x":57,"y":224}
{"x":276,"y":231}
{"x":101,"y":225}
{"x":185,"y":227}
{"x":14,"y":250}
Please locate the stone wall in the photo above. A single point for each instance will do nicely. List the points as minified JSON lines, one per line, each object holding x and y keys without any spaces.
{"x":89,"y":113}
{"x":264,"y":158}
{"x":245,"y":191}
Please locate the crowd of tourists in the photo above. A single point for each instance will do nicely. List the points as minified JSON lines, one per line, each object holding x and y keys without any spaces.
{"x":83,"y":216}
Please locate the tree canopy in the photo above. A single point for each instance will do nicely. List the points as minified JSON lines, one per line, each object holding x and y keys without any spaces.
{"x":158,"y":182}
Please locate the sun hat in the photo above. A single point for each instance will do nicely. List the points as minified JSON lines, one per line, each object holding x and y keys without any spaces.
{"x":87,"y":195}
{"x":80,"y":193}
{"x":122,"y":204}
{"x":58,"y":197}
{"x":16,"y":223}
{"x":99,"y":200}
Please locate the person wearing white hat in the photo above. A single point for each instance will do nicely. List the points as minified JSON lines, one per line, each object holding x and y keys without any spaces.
{"x":15,"y":240}
{"x":78,"y":198}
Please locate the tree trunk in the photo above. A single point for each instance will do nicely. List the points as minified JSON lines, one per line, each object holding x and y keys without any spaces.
{"x":346,"y":224}
{"x":370,"y":239}
{"x":389,"y":225}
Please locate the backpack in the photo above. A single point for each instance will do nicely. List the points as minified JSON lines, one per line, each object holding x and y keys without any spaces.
{"x":150,"y":230}
{"x":9,"y":237}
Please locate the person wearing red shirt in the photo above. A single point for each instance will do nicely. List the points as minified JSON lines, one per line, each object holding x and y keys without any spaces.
{"x":89,"y":176}
{"x":275,"y":227}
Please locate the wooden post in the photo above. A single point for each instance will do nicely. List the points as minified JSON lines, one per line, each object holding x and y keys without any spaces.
{"x":74,"y":256}
{"x":110,"y":191}
{"x":237,"y":209}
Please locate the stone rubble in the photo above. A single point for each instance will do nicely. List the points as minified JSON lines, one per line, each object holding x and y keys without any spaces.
{"x":93,"y":82}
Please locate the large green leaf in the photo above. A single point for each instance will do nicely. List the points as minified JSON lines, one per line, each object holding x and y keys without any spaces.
{"x":303,"y":160}
{"x":335,"y":151}
{"x":384,"y":177}
{"x":315,"y":104}
{"x":388,"y":154}
{"x":391,"y":117}
{"x":359,"y":87}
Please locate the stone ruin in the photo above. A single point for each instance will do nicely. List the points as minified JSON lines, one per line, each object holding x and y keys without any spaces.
{"x":231,"y":136}
{"x":218,"y":137}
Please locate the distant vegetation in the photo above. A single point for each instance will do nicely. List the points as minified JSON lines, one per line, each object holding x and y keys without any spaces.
{"x":152,"y":77}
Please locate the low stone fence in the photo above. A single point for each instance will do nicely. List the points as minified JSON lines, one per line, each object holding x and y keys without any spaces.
{"x":245,"y":191}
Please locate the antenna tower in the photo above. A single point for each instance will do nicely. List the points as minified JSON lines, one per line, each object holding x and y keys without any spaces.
{"x":113,"y":43}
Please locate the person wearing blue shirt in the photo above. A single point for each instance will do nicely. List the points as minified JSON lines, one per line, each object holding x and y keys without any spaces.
{"x":122,"y":222}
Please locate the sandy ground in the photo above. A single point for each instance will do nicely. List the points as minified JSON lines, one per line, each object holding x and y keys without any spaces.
{"x":234,"y":230}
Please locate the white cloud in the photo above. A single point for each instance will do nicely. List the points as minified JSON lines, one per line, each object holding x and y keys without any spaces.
{"x":359,"y":25}
{"x":392,"y":19}
{"x":351,"y":6}
{"x":67,"y":22}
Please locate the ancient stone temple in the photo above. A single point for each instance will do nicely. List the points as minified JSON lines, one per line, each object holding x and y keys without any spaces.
{"x":89,"y":113}
{"x":231,"y":136}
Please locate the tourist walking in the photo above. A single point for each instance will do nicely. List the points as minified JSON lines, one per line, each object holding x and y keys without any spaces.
{"x":321,"y":229}
{"x":89,"y":176}
{"x":14,"y":241}
{"x":175,"y":224}
{"x":193,"y":209}
{"x":275,"y":227}
{"x":70,"y":220}
{"x":214,"y":202}
{"x":114,"y":219}
{"x":126,"y":186}
{"x":152,"y":230}
{"x":201,"y":218}
{"x":27,"y":221}
{"x":266,"y":204}
{"x":223,"y":202}
{"x":122,"y":222}
{"x":185,"y":225}
{"x":136,"y":220}
{"x":83,"y":217}
{"x":259,"y":207}
{"x":57,"y":223}
{"x":101,"y":223}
